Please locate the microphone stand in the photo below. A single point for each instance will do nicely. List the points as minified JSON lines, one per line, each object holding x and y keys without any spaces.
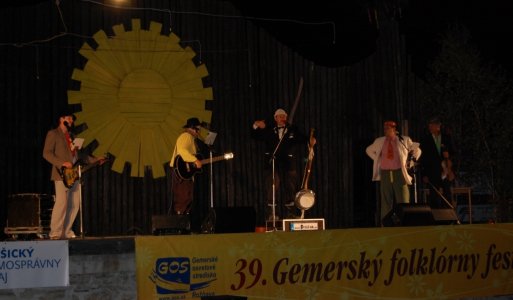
{"x":273,"y":158}
{"x":210,"y":143}
{"x":410,"y":159}
{"x":80,"y":200}
{"x":414,"y":176}
{"x":211,"y":178}
{"x":208,"y":224}
{"x":273,"y":208}
{"x":79,"y":182}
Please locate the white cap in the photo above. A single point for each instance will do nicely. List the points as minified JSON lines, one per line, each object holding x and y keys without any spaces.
{"x":280,"y":111}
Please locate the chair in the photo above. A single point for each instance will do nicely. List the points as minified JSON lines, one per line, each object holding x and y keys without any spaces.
{"x":455,"y":191}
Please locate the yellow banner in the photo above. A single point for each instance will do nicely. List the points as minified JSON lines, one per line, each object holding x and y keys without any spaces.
{"x":435,"y":262}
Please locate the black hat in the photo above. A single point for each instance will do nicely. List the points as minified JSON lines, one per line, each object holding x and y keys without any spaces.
{"x":66,"y":112}
{"x":435,"y":120}
{"x":192,"y":122}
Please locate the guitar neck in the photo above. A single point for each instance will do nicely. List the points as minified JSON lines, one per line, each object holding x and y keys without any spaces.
{"x":86,"y":167}
{"x":308,"y":168}
{"x":89,"y":166}
{"x":217,"y":158}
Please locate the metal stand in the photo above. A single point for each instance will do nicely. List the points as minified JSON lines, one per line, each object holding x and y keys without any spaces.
{"x":209,"y":141}
{"x":80,"y":201}
{"x":274,"y":193}
{"x":445,"y":200}
{"x":211,"y":178}
{"x":441,"y":195}
{"x":273,"y":158}
{"x":208,"y":224}
{"x":414,"y":177}
{"x":463,"y":191}
{"x":411,"y":164}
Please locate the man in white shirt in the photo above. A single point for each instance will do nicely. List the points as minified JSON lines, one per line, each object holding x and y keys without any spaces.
{"x":390,"y":154}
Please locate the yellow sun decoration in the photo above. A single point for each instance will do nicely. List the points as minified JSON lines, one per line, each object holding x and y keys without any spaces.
{"x":137,"y":90}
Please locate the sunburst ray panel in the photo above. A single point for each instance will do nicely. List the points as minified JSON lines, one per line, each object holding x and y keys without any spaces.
{"x":137,"y":89}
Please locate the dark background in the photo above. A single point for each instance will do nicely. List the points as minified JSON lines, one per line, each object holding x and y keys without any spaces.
{"x":358,"y":73}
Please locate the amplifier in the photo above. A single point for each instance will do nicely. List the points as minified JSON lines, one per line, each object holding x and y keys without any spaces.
{"x":303,"y":224}
{"x":28,"y":213}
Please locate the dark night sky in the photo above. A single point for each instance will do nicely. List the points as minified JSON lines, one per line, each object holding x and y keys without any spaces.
{"x":421,"y":21}
{"x":489,"y":21}
{"x":490,"y":24}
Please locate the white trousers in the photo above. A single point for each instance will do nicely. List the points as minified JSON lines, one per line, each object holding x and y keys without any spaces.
{"x":65,"y":210}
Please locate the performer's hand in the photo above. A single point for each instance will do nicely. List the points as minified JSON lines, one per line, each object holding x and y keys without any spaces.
{"x":102,"y":160}
{"x":67,"y":165}
{"x":260,"y":124}
{"x":198,"y":164}
{"x":313,"y":141}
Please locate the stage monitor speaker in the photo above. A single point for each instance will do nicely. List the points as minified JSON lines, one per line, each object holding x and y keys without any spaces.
{"x":414,"y":214}
{"x":229,"y":220}
{"x":170,"y":224}
{"x":420,"y":215}
{"x":445,"y":216}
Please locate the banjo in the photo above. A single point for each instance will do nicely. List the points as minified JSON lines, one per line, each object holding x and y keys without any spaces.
{"x":305,"y":198}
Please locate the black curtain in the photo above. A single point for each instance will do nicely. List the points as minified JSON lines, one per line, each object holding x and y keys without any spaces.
{"x":251,"y":73}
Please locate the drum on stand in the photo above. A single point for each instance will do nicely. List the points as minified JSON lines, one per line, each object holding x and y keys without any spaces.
{"x":305,"y":199}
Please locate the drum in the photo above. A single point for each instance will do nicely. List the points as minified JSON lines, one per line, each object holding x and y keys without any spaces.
{"x":305,"y":199}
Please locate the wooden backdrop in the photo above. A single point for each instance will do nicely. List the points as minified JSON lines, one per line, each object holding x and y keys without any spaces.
{"x":251,"y":72}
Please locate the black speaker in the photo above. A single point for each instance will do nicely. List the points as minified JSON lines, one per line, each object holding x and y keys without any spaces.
{"x":406,"y":214}
{"x":170,"y":224}
{"x":445,"y":216}
{"x":416,"y":215}
{"x":229,"y":220}
{"x":29,"y":210}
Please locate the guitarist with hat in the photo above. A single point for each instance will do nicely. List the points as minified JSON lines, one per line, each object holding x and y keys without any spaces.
{"x":186,"y":150}
{"x":60,"y":151}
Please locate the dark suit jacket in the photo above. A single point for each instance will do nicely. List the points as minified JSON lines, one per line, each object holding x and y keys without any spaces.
{"x":431,"y":160}
{"x":288,"y":147}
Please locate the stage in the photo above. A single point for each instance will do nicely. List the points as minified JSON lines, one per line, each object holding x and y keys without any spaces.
{"x":422,"y":262}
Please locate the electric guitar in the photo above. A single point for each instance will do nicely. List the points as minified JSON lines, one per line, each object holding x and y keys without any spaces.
{"x":185,"y":170}
{"x":71,"y":175}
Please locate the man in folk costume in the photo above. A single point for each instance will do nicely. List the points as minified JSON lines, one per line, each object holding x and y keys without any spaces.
{"x":390,"y":154}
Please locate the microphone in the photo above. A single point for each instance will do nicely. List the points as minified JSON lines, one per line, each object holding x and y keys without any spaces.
{"x":205,"y":125}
